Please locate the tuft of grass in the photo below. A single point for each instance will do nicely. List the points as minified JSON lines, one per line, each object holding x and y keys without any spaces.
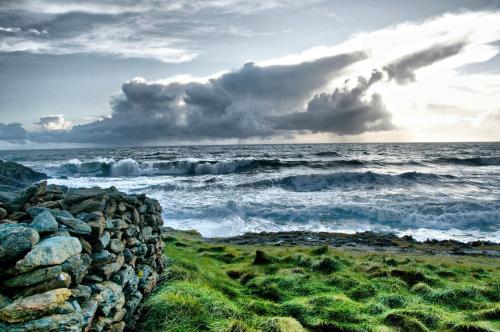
{"x":249,"y":288}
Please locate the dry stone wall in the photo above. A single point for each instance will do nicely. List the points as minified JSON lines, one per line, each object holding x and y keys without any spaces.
{"x":77,"y":259}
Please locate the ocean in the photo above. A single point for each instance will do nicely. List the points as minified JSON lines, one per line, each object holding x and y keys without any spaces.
{"x":427,"y":190}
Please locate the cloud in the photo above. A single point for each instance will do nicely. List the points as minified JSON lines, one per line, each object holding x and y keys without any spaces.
{"x":238,"y":104}
{"x":54,"y":122}
{"x":343,"y":112}
{"x":402,"y":70}
{"x":12,"y":132}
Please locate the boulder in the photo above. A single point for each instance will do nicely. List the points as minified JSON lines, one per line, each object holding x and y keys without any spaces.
{"x":51,"y":251}
{"x":15,"y":240}
{"x":32,"y":307}
{"x":44,"y":222}
{"x":33,"y":277}
{"x":75,"y":226}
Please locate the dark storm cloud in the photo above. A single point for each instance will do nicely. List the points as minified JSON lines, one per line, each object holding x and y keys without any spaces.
{"x":250,"y":102}
{"x":402,"y":70}
{"x":12,"y":132}
{"x":343,"y":112}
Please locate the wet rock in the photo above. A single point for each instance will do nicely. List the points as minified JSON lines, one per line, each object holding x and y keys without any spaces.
{"x":51,"y":251}
{"x":15,"y":240}
{"x":32,"y":307}
{"x":3,"y":213}
{"x":75,"y":226}
{"x":33,"y":277}
{"x":44,"y":222}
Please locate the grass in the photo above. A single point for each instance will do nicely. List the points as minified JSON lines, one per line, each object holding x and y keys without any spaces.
{"x":231,"y":288}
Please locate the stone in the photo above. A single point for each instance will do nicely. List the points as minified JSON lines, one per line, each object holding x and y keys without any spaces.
{"x":117,"y":327}
{"x":75,"y":226}
{"x":147,"y":233}
{"x":33,"y":277}
{"x":36,"y":210}
{"x":18,"y":216}
{"x":110,"y":297}
{"x":97,"y":227}
{"x":4,"y":301}
{"x":102,"y":257}
{"x":63,"y":280}
{"x":89,"y":308}
{"x":116,"y":246}
{"x":54,"y":323}
{"x":51,"y":251}
{"x":102,"y":242}
{"x":109,"y":269}
{"x":77,"y":267}
{"x":147,"y":278}
{"x":132,"y":303}
{"x":15,"y":176}
{"x":88,"y":205}
{"x":44,"y":223}
{"x":76,"y":195}
{"x":285,"y":324}
{"x":82,"y":292}
{"x":34,"y":306}
{"x":3,"y":213}
{"x":124,"y":276}
{"x":16,"y":240}
{"x":86,"y":246}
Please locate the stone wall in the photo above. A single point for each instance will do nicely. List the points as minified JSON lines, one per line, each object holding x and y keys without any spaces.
{"x":77,"y":259}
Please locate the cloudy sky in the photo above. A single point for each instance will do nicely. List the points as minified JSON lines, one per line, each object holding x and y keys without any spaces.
{"x":127,"y":72}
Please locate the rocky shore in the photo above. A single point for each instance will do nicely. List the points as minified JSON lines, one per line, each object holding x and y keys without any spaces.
{"x":76,"y":259}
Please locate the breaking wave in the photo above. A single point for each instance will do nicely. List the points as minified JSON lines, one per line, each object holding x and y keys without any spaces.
{"x":474,"y":161}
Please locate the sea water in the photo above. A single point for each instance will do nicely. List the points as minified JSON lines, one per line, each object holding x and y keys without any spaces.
{"x":436,"y":191}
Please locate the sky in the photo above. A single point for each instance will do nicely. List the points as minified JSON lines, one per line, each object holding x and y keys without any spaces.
{"x":136,"y":73}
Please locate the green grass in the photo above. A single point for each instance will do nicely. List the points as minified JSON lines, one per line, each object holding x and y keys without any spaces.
{"x":231,"y":288}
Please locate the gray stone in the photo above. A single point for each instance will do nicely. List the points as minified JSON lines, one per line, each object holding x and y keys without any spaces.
{"x":63,"y":280}
{"x":53,"y":323}
{"x":109,"y":269}
{"x":116,"y":246}
{"x":3,"y":213}
{"x":102,"y":257}
{"x":15,"y":240}
{"x":51,"y":251}
{"x":110,"y":297}
{"x":102,"y":242}
{"x":32,"y":307}
{"x":86,"y":246}
{"x":44,"y":223}
{"x":75,"y":226}
{"x":33,"y":277}
{"x":124,"y":276}
{"x":88,"y":205}
{"x":36,"y":210}
{"x":89,"y":308}
{"x":77,"y":267}
{"x":82,"y":292}
{"x":4,"y":301}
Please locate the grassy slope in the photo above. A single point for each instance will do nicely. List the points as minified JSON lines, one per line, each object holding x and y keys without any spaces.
{"x":231,"y":288}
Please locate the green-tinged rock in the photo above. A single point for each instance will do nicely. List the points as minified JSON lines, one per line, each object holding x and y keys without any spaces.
{"x":116,"y":246}
{"x":51,"y":251}
{"x":86,"y":246}
{"x":36,"y":210}
{"x":108,"y":270}
{"x":102,"y":257}
{"x":32,"y":307}
{"x":4,"y":301}
{"x":124,"y":276}
{"x":3,"y":213}
{"x":75,"y":226}
{"x":110,"y":297}
{"x":103,"y":241}
{"x":88,"y":205}
{"x":77,"y":267}
{"x":33,"y":277}
{"x":44,"y":223}
{"x":63,"y":280}
{"x":67,"y":323}
{"x":82,"y":292}
{"x":89,"y":308}
{"x":16,"y":240}
{"x":147,"y":278}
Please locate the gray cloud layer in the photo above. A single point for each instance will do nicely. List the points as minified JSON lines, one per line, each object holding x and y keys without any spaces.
{"x":12,"y":132}
{"x":343,"y":112}
{"x":402,"y":70}
{"x":251,"y":102}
